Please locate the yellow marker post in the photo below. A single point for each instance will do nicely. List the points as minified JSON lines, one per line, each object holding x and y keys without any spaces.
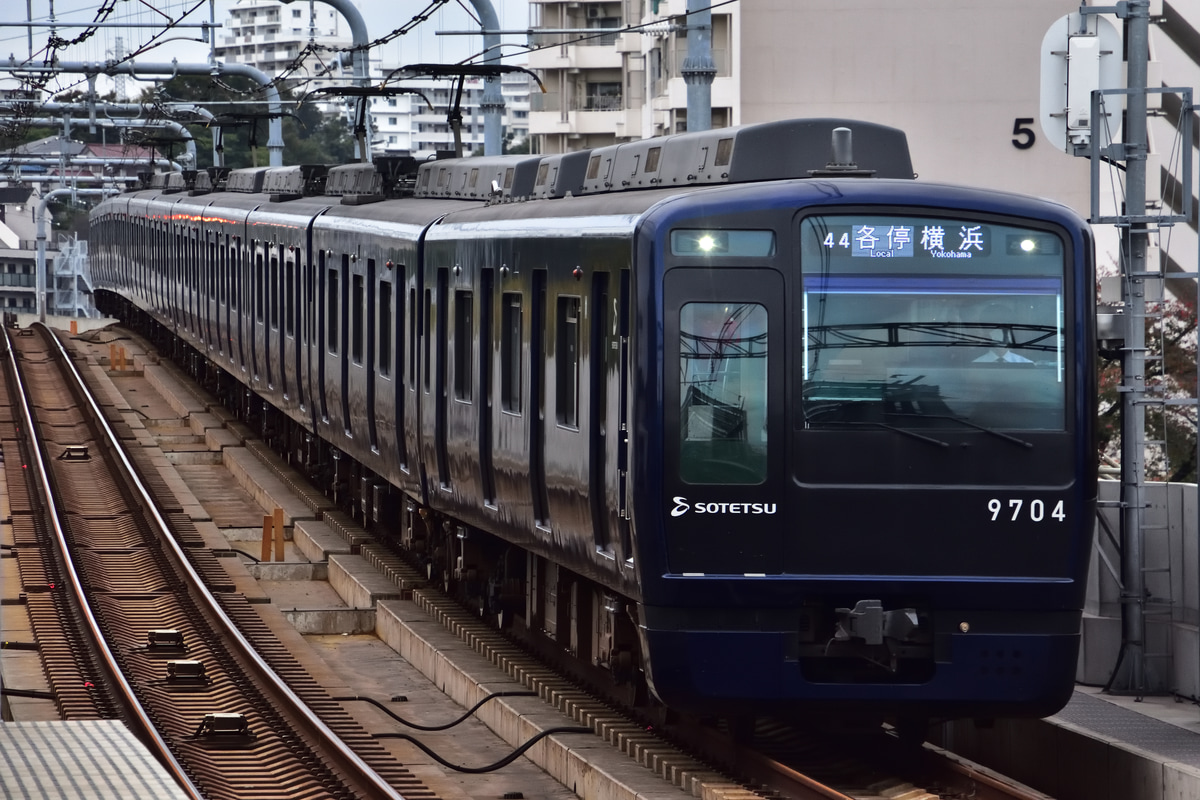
{"x":278,"y":534}
{"x":268,"y":521}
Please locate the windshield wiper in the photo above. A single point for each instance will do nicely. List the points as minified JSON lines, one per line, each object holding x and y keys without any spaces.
{"x":969,"y":424}
{"x":873,"y":424}
{"x":844,"y":403}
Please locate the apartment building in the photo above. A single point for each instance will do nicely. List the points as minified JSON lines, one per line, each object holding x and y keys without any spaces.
{"x":958,"y":77}
{"x":604,"y":88}
{"x":418,"y":124}
{"x":269,"y":35}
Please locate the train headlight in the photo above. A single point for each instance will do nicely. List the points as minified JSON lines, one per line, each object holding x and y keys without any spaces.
{"x":1033,"y":244}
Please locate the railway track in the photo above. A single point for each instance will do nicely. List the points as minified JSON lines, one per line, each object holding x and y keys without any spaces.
{"x":777,"y":761}
{"x":136,"y":620}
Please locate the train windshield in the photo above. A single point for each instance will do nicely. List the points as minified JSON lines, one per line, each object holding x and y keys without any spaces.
{"x":930,"y":322}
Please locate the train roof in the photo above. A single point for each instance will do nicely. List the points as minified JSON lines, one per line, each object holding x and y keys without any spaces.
{"x":796,"y":148}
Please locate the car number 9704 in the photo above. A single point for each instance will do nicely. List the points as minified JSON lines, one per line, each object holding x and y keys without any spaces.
{"x":1016,"y":509}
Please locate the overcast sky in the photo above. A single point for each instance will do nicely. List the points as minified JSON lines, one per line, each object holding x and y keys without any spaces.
{"x":382,"y":16}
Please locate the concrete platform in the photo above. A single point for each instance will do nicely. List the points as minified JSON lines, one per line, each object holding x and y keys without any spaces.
{"x":82,"y":760}
{"x":1100,"y":747}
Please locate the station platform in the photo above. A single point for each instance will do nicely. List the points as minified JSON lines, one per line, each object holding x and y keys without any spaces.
{"x":1100,"y":747}
{"x":84,"y":760}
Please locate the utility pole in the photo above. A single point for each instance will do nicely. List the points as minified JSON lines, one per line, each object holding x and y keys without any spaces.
{"x":1134,"y":271}
{"x":699,"y":69}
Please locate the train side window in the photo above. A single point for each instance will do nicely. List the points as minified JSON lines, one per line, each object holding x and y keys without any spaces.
{"x":273,"y":291}
{"x":566,"y":362}
{"x":235,"y":264}
{"x":212,"y":266}
{"x":223,"y":271}
{"x":356,"y":320}
{"x":385,"y":328}
{"x":412,"y":337}
{"x":510,"y":352}
{"x":333,"y":301}
{"x":723,"y":393}
{"x":464,"y":339}
{"x":428,"y":336}
{"x":289,"y":301}
{"x":259,"y":280}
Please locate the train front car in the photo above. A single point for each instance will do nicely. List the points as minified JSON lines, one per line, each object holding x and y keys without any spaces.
{"x":864,"y":469}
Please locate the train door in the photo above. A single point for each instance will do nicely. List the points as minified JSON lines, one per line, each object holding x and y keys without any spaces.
{"x":410,"y":423}
{"x":723,"y":420}
{"x":221,"y":326}
{"x":365,"y":337}
{"x":537,"y":399}
{"x":434,"y":374}
{"x":282,"y":290}
{"x":210,"y":304}
{"x":601,"y":335}
{"x":194,"y":280}
{"x":285,"y":331}
{"x":270,"y":328}
{"x":238,"y":300}
{"x":256,"y":306}
{"x":338,"y":330}
{"x":487,"y":304}
{"x":385,"y":393}
{"x":320,"y":341}
{"x":356,"y":382}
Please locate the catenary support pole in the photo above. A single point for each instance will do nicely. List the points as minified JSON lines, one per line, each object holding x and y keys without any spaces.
{"x":216,"y":70}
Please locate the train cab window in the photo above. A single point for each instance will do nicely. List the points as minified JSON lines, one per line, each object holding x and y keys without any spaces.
{"x":333,"y":305}
{"x":464,"y":340}
{"x":566,"y":362}
{"x":931,"y":323}
{"x":357,"y":309}
{"x":385,"y":328}
{"x":723,"y":393}
{"x":510,"y":353}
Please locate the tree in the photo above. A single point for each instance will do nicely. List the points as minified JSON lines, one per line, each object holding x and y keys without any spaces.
{"x":1170,"y":374}
{"x":309,"y":137}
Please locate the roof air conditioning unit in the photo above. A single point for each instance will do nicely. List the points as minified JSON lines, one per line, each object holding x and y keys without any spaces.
{"x":593,"y":11}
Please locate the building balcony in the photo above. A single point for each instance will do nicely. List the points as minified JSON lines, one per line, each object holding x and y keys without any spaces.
{"x":581,"y":122}
{"x":553,"y":101}
{"x":576,"y":56}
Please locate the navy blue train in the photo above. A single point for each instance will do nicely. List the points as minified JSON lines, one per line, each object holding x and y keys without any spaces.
{"x":758,"y":430}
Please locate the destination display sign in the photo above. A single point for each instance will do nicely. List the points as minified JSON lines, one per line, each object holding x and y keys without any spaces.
{"x":932,"y":240}
{"x":926,"y":239}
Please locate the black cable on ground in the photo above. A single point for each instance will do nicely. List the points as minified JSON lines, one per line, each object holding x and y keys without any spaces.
{"x":19,"y":646}
{"x":253,"y":558}
{"x":432,"y":728}
{"x":504,"y":762}
{"x":31,"y":693}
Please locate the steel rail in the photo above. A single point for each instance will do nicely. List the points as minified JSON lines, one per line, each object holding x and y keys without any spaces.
{"x":159,"y":744}
{"x":330,"y":738}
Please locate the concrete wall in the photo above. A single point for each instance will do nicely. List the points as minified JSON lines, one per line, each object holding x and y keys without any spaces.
{"x":1172,"y":578}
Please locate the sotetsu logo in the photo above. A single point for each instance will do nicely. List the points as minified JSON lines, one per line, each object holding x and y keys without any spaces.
{"x":682,"y":506}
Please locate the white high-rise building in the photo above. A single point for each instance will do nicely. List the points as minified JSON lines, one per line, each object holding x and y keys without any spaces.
{"x":270,"y":36}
